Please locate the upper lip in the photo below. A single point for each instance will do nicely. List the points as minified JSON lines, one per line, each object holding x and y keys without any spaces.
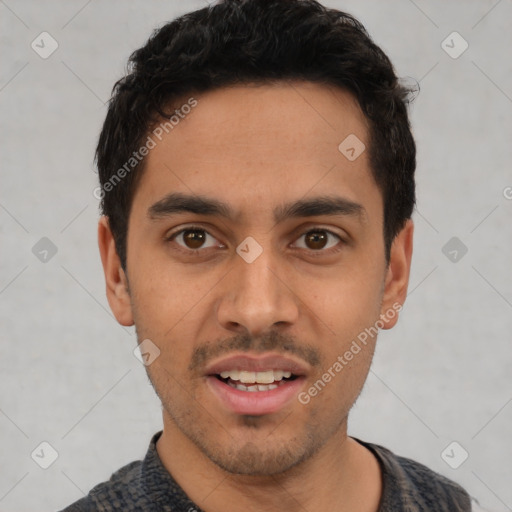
{"x":257,"y":364}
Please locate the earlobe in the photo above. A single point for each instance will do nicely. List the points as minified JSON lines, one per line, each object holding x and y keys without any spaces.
{"x":397,"y":277}
{"x":115,"y":278}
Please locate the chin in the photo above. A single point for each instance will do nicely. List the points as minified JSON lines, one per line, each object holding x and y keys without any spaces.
{"x":258,"y":459}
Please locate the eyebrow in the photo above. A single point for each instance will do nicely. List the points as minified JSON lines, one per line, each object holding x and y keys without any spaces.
{"x":176,"y":203}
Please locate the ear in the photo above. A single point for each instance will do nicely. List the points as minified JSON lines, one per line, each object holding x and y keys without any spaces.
{"x":117,"y":284}
{"x":397,"y":277}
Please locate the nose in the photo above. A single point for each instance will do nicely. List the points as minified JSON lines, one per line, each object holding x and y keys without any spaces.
{"x":257,"y":297}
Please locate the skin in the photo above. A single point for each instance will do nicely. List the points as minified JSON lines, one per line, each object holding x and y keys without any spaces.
{"x":256,"y":148}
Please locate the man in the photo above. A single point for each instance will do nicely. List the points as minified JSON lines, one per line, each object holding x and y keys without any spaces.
{"x":257,"y":184}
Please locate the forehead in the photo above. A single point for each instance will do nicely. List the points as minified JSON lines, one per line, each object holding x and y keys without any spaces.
{"x":255,"y":146}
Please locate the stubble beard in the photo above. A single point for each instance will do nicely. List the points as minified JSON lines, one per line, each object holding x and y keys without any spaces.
{"x":272,"y":456}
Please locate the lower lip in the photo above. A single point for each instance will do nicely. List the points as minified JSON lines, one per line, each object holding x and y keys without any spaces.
{"x":255,"y":403}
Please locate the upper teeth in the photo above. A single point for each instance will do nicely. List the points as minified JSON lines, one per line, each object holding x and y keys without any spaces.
{"x":266,"y":377}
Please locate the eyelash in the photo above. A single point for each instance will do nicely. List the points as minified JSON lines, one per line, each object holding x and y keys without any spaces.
{"x":319,"y":252}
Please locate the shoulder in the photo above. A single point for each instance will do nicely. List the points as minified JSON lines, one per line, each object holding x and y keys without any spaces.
{"x":121,"y":492}
{"x":409,"y":485}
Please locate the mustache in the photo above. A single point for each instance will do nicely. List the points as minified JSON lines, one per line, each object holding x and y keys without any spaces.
{"x":272,"y":341}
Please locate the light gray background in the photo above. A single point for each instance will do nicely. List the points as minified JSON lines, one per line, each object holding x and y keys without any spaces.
{"x":68,"y":373}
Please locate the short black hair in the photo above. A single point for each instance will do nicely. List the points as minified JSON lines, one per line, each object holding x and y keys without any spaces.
{"x":237,"y":42}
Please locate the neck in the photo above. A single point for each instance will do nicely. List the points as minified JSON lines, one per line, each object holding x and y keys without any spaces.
{"x":342,"y":476}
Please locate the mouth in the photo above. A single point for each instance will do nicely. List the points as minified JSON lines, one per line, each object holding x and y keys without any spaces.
{"x":256,"y":381}
{"x":255,"y":386}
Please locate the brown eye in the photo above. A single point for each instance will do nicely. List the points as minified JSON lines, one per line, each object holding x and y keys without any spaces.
{"x":194,"y":238}
{"x":318,"y":240}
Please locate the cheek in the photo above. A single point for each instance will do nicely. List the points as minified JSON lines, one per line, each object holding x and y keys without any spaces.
{"x":169,"y":308}
{"x":163,"y":295}
{"x":350,"y":307}
{"x":346,"y":304}
{"x":328,"y":403}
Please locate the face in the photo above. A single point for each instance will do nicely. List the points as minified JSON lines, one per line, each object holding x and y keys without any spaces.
{"x":255,"y":262}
